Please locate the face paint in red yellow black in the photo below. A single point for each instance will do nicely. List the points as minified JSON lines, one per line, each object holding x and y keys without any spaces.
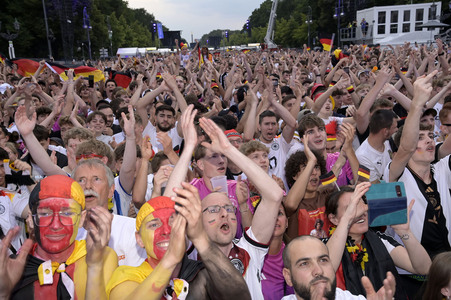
{"x":155,"y":232}
{"x":57,"y":237}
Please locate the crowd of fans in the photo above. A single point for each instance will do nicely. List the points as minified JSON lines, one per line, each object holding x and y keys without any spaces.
{"x":228,"y":175}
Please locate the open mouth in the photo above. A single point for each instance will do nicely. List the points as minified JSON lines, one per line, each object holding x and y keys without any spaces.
{"x":225,"y":228}
{"x":430,"y":148}
{"x":314,"y":181}
{"x":163,"y":245}
{"x":318,"y":142}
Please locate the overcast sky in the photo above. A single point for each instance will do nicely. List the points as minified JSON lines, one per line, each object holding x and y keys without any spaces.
{"x":199,"y":16}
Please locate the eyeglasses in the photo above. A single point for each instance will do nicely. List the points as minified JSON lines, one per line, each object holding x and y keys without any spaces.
{"x":214,"y":209}
{"x":45,"y":218}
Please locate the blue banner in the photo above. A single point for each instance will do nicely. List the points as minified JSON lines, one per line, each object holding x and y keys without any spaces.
{"x":160,"y":31}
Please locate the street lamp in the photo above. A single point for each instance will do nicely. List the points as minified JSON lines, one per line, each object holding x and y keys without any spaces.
{"x":47,"y":29}
{"x":10,"y":37}
{"x":110,"y":34}
{"x":309,"y":21}
{"x":339,"y":12}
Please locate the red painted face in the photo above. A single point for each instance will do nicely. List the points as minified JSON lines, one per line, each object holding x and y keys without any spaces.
{"x":58,"y":234}
{"x":155,"y":232}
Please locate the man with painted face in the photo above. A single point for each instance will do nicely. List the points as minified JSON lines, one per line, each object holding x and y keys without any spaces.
{"x":58,"y":266}
{"x":161,"y":232}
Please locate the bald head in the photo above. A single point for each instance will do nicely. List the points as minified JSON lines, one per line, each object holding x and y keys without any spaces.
{"x":298,"y":244}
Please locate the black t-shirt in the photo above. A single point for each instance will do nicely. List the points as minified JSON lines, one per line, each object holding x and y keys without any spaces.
{"x":435,"y":234}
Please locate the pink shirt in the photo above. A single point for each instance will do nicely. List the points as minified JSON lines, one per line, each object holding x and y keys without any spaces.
{"x":273,"y":282}
{"x":231,"y":189}
{"x":345,"y":172}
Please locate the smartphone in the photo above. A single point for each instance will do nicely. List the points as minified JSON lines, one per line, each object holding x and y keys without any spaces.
{"x":91,"y":81}
{"x":387,"y":204}
{"x":346,"y":69}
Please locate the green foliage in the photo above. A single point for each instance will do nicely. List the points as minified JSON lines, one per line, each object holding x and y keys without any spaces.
{"x":130,"y":27}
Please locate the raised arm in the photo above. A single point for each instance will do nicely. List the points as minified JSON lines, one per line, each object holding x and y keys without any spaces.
{"x":362,"y":117}
{"x":128,"y":168}
{"x":356,"y":207}
{"x":409,"y":138}
{"x":413,"y":257}
{"x":38,"y":153}
{"x":265,"y":216}
{"x":297,"y":191}
{"x":178,"y":175}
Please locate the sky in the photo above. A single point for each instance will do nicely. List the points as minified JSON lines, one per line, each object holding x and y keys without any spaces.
{"x":199,"y":16}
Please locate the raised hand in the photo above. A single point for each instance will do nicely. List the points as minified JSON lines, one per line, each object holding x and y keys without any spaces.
{"x":354,"y":209}
{"x":241,"y":191}
{"x":129,"y":123}
{"x":219,"y":142}
{"x":146,"y":149}
{"x":188,"y":204}
{"x":310,"y":155}
{"x":422,"y":89}
{"x":98,"y":224}
{"x":187,"y":125}
{"x":11,"y":269}
{"x":384,"y":293}
{"x":24,"y":125}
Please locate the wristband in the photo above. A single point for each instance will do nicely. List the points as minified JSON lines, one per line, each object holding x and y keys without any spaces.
{"x":350,"y":89}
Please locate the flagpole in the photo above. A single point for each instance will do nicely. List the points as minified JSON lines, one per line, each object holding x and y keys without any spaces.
{"x":332,"y":44}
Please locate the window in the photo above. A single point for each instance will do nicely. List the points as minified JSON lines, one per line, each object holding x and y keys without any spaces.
{"x":419,"y":16}
{"x":381,"y":29}
{"x":406,"y":27}
{"x":406,"y":16}
{"x":394,"y":16}
{"x":393,"y":28}
{"x":432,"y":14}
{"x":381,"y":17}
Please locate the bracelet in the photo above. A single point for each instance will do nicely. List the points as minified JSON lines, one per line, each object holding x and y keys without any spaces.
{"x":405,"y":237}
{"x":440,"y":54}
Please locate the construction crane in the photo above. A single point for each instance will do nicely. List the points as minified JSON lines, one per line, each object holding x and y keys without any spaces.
{"x":270,"y":31}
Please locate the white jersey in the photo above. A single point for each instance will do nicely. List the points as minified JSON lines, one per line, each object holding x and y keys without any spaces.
{"x":11,"y":208}
{"x":251,"y":268}
{"x":374,"y":160}
{"x":123,"y":241}
{"x":278,"y":151}
{"x":121,"y":199}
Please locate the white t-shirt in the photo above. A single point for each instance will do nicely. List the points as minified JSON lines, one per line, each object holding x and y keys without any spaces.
{"x":123,"y":241}
{"x":151,"y":131}
{"x":374,"y":160}
{"x":339,"y":295}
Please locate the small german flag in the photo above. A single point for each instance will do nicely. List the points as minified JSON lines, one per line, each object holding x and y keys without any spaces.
{"x":328,"y":178}
{"x":246,"y":51}
{"x":3,"y":58}
{"x":364,"y":172}
{"x":327,"y":42}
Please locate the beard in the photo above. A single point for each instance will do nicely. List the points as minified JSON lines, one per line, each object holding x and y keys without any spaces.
{"x":164,"y":128}
{"x":305,"y":293}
